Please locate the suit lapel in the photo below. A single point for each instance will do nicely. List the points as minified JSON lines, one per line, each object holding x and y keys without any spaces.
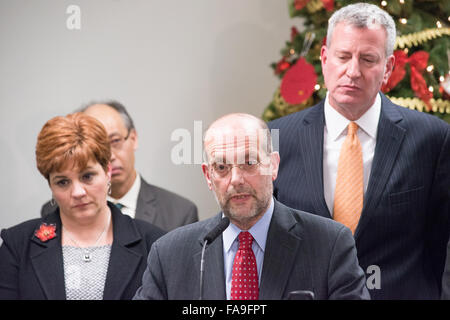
{"x":123,"y":262}
{"x":279,"y":256}
{"x":214,"y":274}
{"x":146,"y":204}
{"x":389,"y":140}
{"x":47,"y":261}
{"x":310,"y":137}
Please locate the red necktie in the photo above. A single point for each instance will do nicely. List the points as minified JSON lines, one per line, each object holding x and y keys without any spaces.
{"x":244,"y":280}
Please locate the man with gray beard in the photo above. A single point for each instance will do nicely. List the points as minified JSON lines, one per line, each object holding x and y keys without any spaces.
{"x":268,"y":251}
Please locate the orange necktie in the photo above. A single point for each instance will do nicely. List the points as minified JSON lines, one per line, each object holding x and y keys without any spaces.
{"x":348,"y":195}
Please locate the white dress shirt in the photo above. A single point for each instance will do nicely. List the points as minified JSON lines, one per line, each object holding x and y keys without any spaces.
{"x":129,"y":200}
{"x":335,"y":132}
{"x":231,"y":245}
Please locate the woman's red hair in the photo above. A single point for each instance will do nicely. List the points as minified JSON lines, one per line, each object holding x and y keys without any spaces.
{"x":74,"y":139}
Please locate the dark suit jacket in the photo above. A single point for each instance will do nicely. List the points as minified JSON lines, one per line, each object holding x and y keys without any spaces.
{"x":303,"y":252}
{"x":446,"y":277}
{"x":158,"y":206}
{"x":404,"y":225}
{"x":32,"y":269}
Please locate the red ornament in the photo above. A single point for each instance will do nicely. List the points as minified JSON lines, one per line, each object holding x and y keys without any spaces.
{"x":328,"y":4}
{"x":398,"y":73}
{"x":418,"y":62}
{"x":282,"y":65}
{"x":299,"y":4}
{"x":298,"y":82}
{"x":46,"y":232}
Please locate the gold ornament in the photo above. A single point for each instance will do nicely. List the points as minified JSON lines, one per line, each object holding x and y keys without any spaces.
{"x":284,"y":108}
{"x":443,"y":106}
{"x":416,"y":38}
{"x":314,"y":6}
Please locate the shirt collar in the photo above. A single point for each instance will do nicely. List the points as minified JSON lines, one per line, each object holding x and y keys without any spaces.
{"x":337,"y":123}
{"x":259,"y":230}
{"x":129,"y":200}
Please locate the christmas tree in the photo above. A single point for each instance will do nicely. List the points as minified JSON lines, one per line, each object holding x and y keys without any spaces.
{"x":420,"y":79}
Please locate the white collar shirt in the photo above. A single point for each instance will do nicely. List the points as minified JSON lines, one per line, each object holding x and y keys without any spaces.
{"x":129,"y":200}
{"x":335,"y":132}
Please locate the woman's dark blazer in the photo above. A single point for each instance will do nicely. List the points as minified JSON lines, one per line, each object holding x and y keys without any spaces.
{"x":33,"y":269}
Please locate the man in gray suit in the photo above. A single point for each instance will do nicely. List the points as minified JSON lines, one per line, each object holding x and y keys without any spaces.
{"x":292,"y":250}
{"x":129,"y":191}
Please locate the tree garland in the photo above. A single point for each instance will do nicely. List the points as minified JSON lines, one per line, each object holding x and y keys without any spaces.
{"x":417,"y":104}
{"x":416,"y":38}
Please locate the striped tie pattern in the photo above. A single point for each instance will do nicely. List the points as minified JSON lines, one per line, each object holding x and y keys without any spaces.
{"x":244,"y":278}
{"x":348,"y":195}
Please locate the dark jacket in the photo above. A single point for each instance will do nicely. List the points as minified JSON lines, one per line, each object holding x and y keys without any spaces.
{"x":303,"y":252}
{"x":405,"y":222}
{"x":32,"y":269}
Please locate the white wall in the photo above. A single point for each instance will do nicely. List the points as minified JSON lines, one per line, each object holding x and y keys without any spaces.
{"x":169,"y":62}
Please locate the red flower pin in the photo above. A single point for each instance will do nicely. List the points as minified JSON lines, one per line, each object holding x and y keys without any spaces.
{"x":46,"y":232}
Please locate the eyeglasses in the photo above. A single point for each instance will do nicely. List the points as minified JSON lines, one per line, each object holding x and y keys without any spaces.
{"x":222,"y":170}
{"x":117,"y":142}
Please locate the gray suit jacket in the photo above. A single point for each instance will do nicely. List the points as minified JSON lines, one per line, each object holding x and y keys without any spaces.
{"x":303,"y":252}
{"x":158,"y":206}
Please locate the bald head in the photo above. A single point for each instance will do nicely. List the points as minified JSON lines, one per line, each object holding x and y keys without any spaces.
{"x":116,"y":105}
{"x":237,"y":120}
{"x":238,"y":127}
{"x":105,"y":114}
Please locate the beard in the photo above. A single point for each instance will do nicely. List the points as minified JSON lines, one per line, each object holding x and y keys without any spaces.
{"x":245,"y":216}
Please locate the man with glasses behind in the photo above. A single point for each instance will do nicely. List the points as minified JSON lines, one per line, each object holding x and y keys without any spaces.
{"x":129,"y":191}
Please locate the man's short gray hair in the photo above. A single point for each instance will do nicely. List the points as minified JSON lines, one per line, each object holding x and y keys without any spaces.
{"x":364,"y":15}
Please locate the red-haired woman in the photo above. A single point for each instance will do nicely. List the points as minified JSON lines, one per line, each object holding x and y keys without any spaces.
{"x":86,"y":249}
